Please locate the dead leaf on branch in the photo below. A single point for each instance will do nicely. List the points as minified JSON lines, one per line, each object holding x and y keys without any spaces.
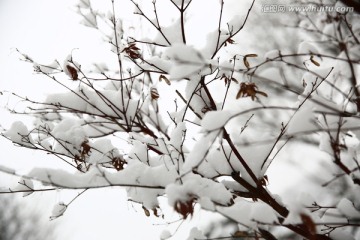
{"x":118,"y":163}
{"x":156,"y":213}
{"x":73,"y":72}
{"x":185,"y":208}
{"x":309,"y":223}
{"x":228,"y":79}
{"x":132,"y":51}
{"x":229,"y":41}
{"x":85,"y":150}
{"x":249,"y":90}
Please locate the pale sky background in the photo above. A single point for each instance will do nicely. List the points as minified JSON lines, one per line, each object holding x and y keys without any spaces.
{"x":45,"y":30}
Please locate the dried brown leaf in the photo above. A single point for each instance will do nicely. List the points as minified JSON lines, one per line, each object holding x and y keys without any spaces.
{"x":309,"y":223}
{"x":73,"y":72}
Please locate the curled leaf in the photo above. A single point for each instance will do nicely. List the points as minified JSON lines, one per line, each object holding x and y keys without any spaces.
{"x":250,"y":55}
{"x":246,"y":63}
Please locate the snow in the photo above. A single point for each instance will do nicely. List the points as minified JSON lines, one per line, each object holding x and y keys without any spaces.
{"x":84,"y":3}
{"x":195,"y":233}
{"x":89,"y":20}
{"x":225,"y":69}
{"x":194,"y":185}
{"x":165,"y":234}
{"x":347,"y":208}
{"x":255,"y":158}
{"x":187,"y":61}
{"x":180,"y":2}
{"x":58,"y":210}
{"x":177,"y":134}
{"x":25,"y":185}
{"x":303,"y":120}
{"x":306,"y":47}
{"x":161,"y":63}
{"x":19,"y":133}
{"x":202,"y":147}
{"x":272,"y":54}
{"x":69,"y":136}
{"x":138,"y":151}
{"x":48,"y":68}
{"x":216,"y":162}
{"x":68,"y":99}
{"x":236,"y":23}
{"x":247,"y":213}
{"x":340,"y":234}
{"x":210,"y":46}
{"x":214,"y":120}
{"x":103,"y":151}
{"x":172,"y":34}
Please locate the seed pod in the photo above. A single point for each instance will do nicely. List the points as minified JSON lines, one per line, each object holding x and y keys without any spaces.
{"x":154,"y":94}
{"x":313,"y":61}
{"x":162,"y":77}
{"x":146,"y":211}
